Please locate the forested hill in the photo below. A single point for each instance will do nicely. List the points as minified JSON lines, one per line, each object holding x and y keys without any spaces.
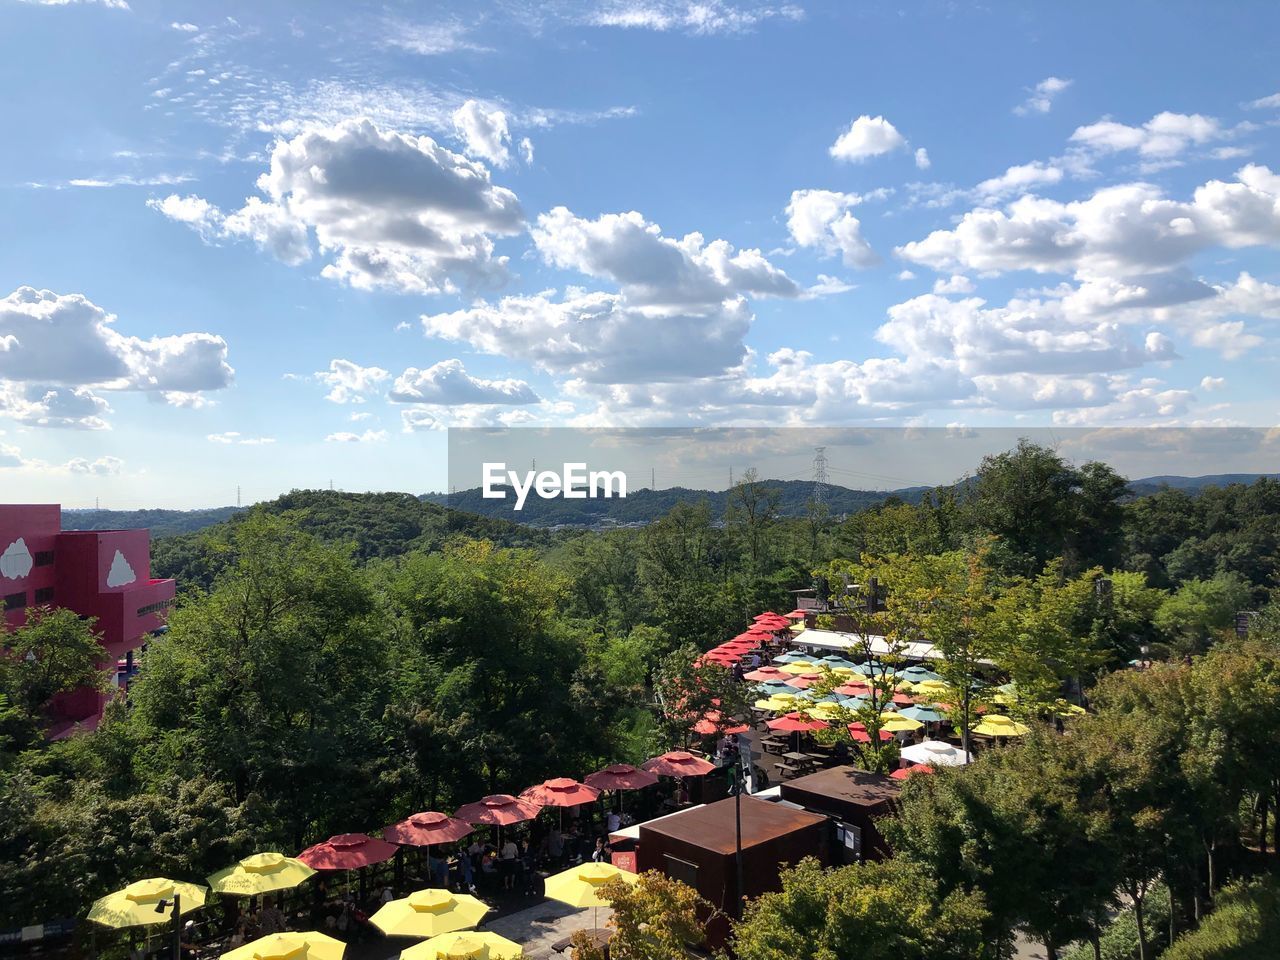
{"x":379,"y":524}
{"x":161,"y":523}
{"x":645,"y":505}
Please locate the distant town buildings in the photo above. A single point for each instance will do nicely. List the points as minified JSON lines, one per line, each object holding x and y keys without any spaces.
{"x":103,"y":574}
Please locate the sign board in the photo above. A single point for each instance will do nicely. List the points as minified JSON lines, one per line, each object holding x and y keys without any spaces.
{"x":624,"y":860}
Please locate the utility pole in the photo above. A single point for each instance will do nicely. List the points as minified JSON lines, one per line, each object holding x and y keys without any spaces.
{"x":653,"y":479}
{"x":819,"y":477}
{"x":177,"y":922}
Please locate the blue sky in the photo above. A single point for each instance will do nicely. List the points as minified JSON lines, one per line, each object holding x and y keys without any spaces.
{"x":282,"y":245}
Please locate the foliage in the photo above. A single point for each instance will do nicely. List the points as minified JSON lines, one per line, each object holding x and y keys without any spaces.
{"x":1119,"y":939}
{"x":880,"y":911}
{"x":656,"y":918}
{"x":1244,"y":925}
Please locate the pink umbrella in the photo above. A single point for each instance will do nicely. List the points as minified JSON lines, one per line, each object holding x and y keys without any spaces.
{"x":347,"y":851}
{"x":678,"y":763}
{"x":710,"y":724}
{"x":425,"y":829}
{"x":859,"y":733}
{"x":499,"y":810}
{"x":561,"y":792}
{"x":794,"y":723}
{"x":851,"y":689}
{"x":915,"y":768}
{"x":766,"y":673}
{"x":620,"y":776}
{"x":796,"y":614}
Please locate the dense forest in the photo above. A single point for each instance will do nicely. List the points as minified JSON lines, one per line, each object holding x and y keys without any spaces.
{"x":341,"y":660}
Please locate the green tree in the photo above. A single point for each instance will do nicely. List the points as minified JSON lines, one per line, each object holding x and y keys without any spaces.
{"x":880,"y":911}
{"x":655,"y":918}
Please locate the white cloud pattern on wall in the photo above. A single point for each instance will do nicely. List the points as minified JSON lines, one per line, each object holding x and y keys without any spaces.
{"x":16,"y":562}
{"x":120,"y":574}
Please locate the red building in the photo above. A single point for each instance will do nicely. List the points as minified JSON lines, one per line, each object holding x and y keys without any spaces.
{"x":104,"y":574}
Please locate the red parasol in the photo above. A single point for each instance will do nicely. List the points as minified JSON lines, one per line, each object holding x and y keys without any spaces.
{"x":793,"y":722}
{"x":620,"y":776}
{"x":913,"y":769}
{"x":767,"y":615}
{"x":802,"y":682}
{"x":710,"y":725}
{"x":859,"y":733}
{"x":796,"y":614}
{"x":852,"y":689}
{"x":427,"y":829}
{"x":766,"y":673}
{"x":347,"y":851}
{"x":678,"y":763}
{"x":499,"y":810}
{"x":561,"y":792}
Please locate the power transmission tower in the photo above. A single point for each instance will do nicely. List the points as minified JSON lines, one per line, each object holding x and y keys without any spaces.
{"x":237,"y":496}
{"x":820,"y":477}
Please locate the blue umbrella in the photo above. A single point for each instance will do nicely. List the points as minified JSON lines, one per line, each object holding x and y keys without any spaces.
{"x":925,"y":714}
{"x":791,"y":656}
{"x":919,"y":674}
{"x":831,"y":660}
{"x":770,"y":687}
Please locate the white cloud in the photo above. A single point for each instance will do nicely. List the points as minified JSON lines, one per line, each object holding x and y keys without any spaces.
{"x":922,"y":159}
{"x":957,"y":283}
{"x":526,"y":150}
{"x":431,"y":39}
{"x":391,"y":211}
{"x":11,"y":458}
{"x":40,"y":405}
{"x":65,"y":340}
{"x":369,"y":436}
{"x":906,"y":275}
{"x":109,"y":4}
{"x":1265,"y":103}
{"x":1164,"y":135}
{"x":101,"y":467}
{"x":821,"y":219}
{"x":448,"y":383}
{"x":234,"y":437}
{"x":1024,"y":336}
{"x":184,"y":27}
{"x":689,"y":16}
{"x":1118,"y":231}
{"x":1022,"y":178}
{"x":1210,"y":384}
{"x":1041,"y":96}
{"x":349,"y":382}
{"x":484,"y":132}
{"x":867,"y":137}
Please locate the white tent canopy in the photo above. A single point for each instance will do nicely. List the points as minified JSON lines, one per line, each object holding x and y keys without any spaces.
{"x":834,"y":640}
{"x":935,"y":751}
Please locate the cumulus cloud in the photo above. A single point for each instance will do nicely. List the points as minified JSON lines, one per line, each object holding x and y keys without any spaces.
{"x":41,"y":405}
{"x":867,"y":137}
{"x":822,"y":219}
{"x":1118,"y":231}
{"x":101,"y":467}
{"x":369,"y":436}
{"x":448,"y":383}
{"x":349,"y":382}
{"x":1209,"y":384}
{"x":11,"y":458}
{"x":56,"y":349}
{"x":922,"y":159}
{"x":484,"y":132}
{"x":1265,"y":103}
{"x":1041,"y":96}
{"x":1164,"y":135}
{"x":681,"y":310}
{"x":388,"y":210}
{"x":956,"y":283}
{"x":1020,"y":179}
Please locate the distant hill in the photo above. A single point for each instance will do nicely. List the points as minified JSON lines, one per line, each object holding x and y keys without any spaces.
{"x":644,"y":506}
{"x":1194,"y":485}
{"x":161,"y":523}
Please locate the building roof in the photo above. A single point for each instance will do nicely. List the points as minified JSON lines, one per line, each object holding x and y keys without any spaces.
{"x":837,"y":640}
{"x":847,"y":785}
{"x":712,"y":827}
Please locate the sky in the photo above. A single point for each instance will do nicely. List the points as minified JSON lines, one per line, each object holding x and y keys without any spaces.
{"x":255,"y":247}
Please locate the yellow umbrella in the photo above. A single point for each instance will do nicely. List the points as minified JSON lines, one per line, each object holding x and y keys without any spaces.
{"x":775,"y":703}
{"x":931,"y":688}
{"x":798,"y":667}
{"x":1066,"y":709}
{"x":289,"y":946}
{"x":429,"y":913}
{"x":470,"y":945}
{"x":843,"y":671}
{"x":823,"y":711}
{"x":259,"y":874}
{"x":995,"y":725}
{"x":136,"y":904}
{"x":580,"y":886}
{"x":897,"y":723}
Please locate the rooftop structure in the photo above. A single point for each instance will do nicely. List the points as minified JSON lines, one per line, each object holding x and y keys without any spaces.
{"x":103,"y":574}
